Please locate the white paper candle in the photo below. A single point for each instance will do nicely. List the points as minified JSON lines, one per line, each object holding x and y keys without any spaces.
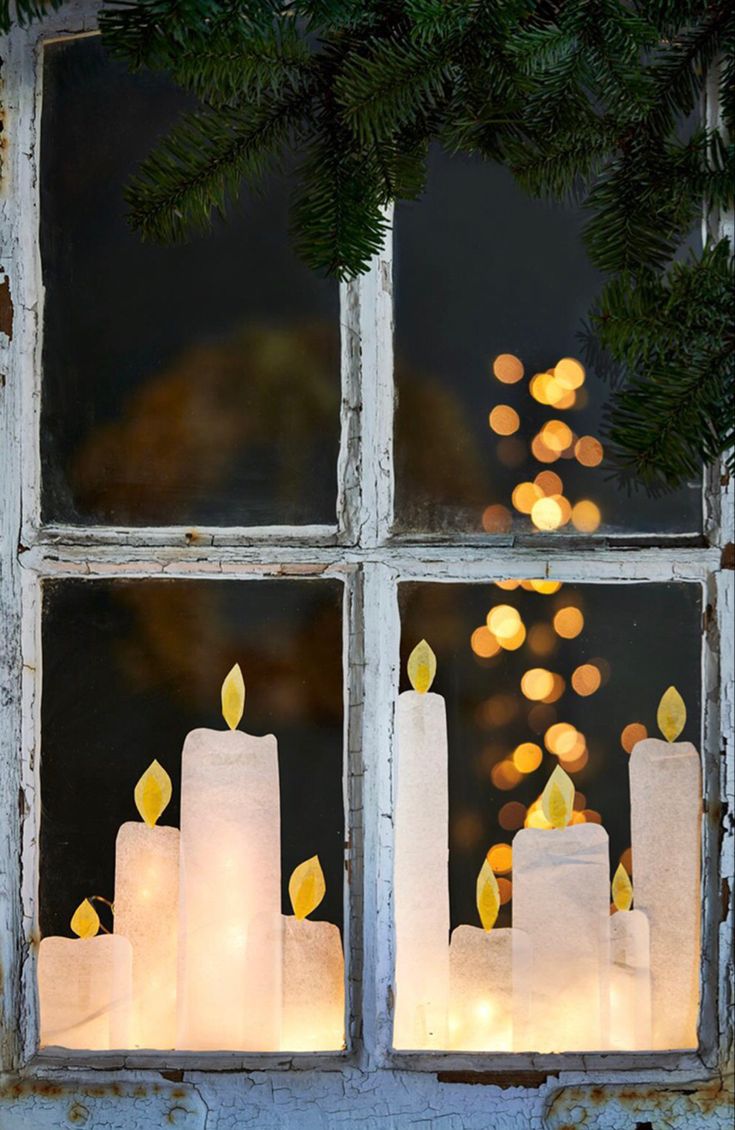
{"x":630,"y":981}
{"x":85,"y":987}
{"x":229,"y":993}
{"x":666,"y":808}
{"x":313,"y":970}
{"x":147,"y":908}
{"x":421,"y":878}
{"x":561,"y":901}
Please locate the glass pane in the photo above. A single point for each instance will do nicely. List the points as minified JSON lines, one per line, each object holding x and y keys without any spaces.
{"x":569,"y":678}
{"x":485,"y":271}
{"x":132,"y":671}
{"x":196,"y":384}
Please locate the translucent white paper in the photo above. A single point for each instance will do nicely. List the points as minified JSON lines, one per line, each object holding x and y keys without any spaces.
{"x":146,"y":913}
{"x":630,"y":981}
{"x":561,"y":900}
{"x":421,"y":878}
{"x":85,"y":990}
{"x":313,"y":987}
{"x":229,"y":980}
{"x":665,"y":811}
{"x":488,"y":988}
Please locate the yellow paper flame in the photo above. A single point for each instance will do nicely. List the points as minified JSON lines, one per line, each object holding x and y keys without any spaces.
{"x":672,"y":714}
{"x":557,"y":799}
{"x":85,"y":921}
{"x":488,"y":896}
{"x":622,"y":889}
{"x":152,"y":793}
{"x":233,"y":697}
{"x":421,"y":667}
{"x":306,"y":887}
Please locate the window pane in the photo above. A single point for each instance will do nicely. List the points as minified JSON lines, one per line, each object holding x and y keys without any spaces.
{"x":483,"y":270}
{"x":132,"y":670}
{"x":571,"y":678}
{"x":188,"y":384}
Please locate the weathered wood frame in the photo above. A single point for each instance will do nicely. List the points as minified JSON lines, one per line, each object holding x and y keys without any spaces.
{"x":360,"y":550}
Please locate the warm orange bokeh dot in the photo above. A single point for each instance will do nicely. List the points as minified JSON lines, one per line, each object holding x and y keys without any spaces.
{"x":504,"y":420}
{"x":497,"y":519}
{"x":561,"y":738}
{"x":541,"y":452}
{"x":483,"y":643}
{"x":541,"y":640}
{"x":633,"y":733}
{"x":504,"y":775}
{"x":586,"y":679}
{"x":586,"y":516}
{"x":591,"y":816}
{"x":507,"y":585}
{"x":503,"y":621}
{"x":527,"y":757}
{"x":626,"y":859}
{"x":537,"y":683}
{"x":505,"y":890}
{"x":557,"y":689}
{"x":546,"y":514}
{"x":589,"y":451}
{"x":512,"y":815}
{"x":545,"y":587}
{"x":574,"y":752}
{"x":569,"y":373}
{"x":500,"y":858}
{"x":508,"y":368}
{"x":512,"y":643}
{"x":524,"y":496}
{"x":574,"y":766}
{"x":568,"y":622}
{"x":556,"y":435}
{"x":549,"y":482}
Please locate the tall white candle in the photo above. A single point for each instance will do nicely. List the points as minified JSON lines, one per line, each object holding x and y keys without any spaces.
{"x":85,"y":987}
{"x":561,"y":901}
{"x":229,"y":994}
{"x":147,"y":908}
{"x":666,"y":810}
{"x":421,"y":878}
{"x":313,"y":970}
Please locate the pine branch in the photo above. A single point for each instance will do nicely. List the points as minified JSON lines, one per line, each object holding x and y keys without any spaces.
{"x":24,"y":12}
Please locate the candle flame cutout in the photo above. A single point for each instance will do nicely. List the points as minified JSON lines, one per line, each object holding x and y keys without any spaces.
{"x":152,"y":793}
{"x":85,"y":921}
{"x":233,"y":697}
{"x":488,"y":896}
{"x":306,"y":887}
{"x":671,"y":715}
{"x":622,"y":889}
{"x":421,"y":667}
{"x":557,"y":799}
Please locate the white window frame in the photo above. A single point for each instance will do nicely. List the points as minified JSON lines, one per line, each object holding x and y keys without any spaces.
{"x":362,"y":552}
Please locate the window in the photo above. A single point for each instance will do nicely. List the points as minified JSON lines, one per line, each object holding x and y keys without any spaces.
{"x":155,"y":531}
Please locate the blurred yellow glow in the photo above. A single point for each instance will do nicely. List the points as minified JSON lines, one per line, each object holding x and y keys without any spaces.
{"x":504,"y":420}
{"x":546,"y":514}
{"x":569,"y":373}
{"x":527,"y":585}
{"x":556,"y":435}
{"x":633,"y":733}
{"x":483,"y":643}
{"x":578,"y":818}
{"x":496,"y":519}
{"x":574,"y":752}
{"x":542,"y":640}
{"x":514,"y":642}
{"x":512,"y":815}
{"x":545,"y":587}
{"x":505,"y":888}
{"x":586,"y":516}
{"x":546,"y":389}
{"x":560,"y":738}
{"x":500,"y":858}
{"x":578,"y":763}
{"x":537,"y":683}
{"x":503,"y":621}
{"x":509,"y":585}
{"x":568,"y":622}
{"x":567,"y":400}
{"x":589,"y":451}
{"x":586,"y":679}
{"x":508,"y":368}
{"x":535,"y":817}
{"x":504,"y":775}
{"x":564,"y":505}
{"x":524,"y":496}
{"x":541,"y":451}
{"x":557,"y":689}
{"x":527,"y":757}
{"x":549,"y":482}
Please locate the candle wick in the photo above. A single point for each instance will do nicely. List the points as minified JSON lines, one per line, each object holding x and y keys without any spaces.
{"x":110,"y":906}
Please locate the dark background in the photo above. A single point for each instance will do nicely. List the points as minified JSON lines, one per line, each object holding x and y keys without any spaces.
{"x":130,"y":667}
{"x":648,"y":634}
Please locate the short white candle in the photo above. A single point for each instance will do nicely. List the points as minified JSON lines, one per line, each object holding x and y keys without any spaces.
{"x":229,"y":994}
{"x":421,"y":874}
{"x":85,"y":988}
{"x":147,"y":908}
{"x":666,"y":813}
{"x":561,"y":901}
{"x":313,"y":970}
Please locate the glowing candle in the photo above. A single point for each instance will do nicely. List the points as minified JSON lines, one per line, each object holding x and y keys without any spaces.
{"x":84,"y":987}
{"x":147,"y":908}
{"x":561,"y":901}
{"x":488,"y":975}
{"x":421,"y":879}
{"x":665,"y":809}
{"x":229,"y":992}
{"x":630,"y":971}
{"x":313,"y":969}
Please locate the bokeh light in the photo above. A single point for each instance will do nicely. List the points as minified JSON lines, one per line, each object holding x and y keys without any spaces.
{"x":557,"y":690}
{"x":504,"y":775}
{"x":504,"y":420}
{"x":586,"y":679}
{"x":505,"y":890}
{"x":626,"y":858}
{"x":509,"y":585}
{"x":556,"y":435}
{"x":569,"y":373}
{"x":546,"y":514}
{"x":537,"y":683}
{"x":589,"y":451}
{"x":500,"y":858}
{"x":568,"y":622}
{"x":512,"y":815}
{"x":497,"y":519}
{"x":524,"y":496}
{"x":512,"y":643}
{"x":545,"y":587}
{"x":483,"y":643}
{"x":542,"y":452}
{"x":561,"y":738}
{"x":503,"y":621}
{"x":633,"y":733}
{"x":542,"y":640}
{"x":508,"y":368}
{"x":527,"y":757}
{"x":549,"y":482}
{"x":586,"y":516}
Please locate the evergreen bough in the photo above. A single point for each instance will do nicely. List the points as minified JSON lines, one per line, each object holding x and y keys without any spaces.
{"x":594,"y":100}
